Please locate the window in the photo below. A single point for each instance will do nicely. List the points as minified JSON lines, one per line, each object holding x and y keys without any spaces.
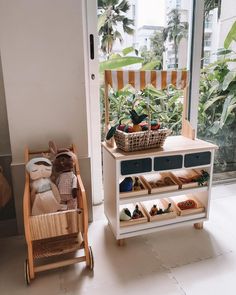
{"x":178,"y":4}
{"x":208,"y":21}
{"x":217,"y":117}
{"x":207,"y":40}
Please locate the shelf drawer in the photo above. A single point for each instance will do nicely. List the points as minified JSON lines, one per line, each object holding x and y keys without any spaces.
{"x":197,"y":159}
{"x":136,"y":166}
{"x":167,"y":163}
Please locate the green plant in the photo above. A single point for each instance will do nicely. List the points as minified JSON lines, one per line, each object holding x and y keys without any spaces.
{"x":163,"y":106}
{"x":175,"y":31}
{"x":111,"y":14}
{"x":217,"y":106}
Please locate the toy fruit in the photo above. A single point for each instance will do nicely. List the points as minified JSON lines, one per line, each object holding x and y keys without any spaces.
{"x":136,"y":120}
{"x":155,"y":125}
{"x":137,"y":184}
{"x":128,"y":129}
{"x":137,"y":213}
{"x":188,"y":204}
{"x":144,"y":128}
{"x":153,"y":210}
{"x":121,"y":127}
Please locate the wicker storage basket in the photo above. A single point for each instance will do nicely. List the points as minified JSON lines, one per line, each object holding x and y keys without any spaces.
{"x":136,"y":141}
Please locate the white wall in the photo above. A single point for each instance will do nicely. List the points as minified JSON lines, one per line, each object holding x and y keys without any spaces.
{"x":45,"y":69}
{"x":42,"y":52}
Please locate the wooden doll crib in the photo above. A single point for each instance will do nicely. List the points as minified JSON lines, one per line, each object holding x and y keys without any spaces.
{"x":56,"y":235}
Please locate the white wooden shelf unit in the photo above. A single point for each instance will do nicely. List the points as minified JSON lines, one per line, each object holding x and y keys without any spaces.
{"x":117,"y":164}
{"x":178,"y":152}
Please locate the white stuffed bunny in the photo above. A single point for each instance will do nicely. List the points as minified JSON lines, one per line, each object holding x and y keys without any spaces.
{"x":45,"y":197}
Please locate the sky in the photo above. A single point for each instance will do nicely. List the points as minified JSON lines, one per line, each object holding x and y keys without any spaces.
{"x":151,"y":12}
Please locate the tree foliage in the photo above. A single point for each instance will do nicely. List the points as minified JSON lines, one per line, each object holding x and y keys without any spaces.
{"x":210,"y":5}
{"x":111,"y":14}
{"x":175,"y":31}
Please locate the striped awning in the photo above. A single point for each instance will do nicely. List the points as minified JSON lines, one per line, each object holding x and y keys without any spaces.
{"x":118,"y":79}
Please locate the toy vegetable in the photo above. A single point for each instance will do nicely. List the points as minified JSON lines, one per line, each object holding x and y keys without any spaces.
{"x":125,"y":214}
{"x":136,"y":120}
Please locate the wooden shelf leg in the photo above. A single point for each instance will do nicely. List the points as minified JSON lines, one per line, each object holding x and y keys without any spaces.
{"x":121,"y":242}
{"x":198,"y":225}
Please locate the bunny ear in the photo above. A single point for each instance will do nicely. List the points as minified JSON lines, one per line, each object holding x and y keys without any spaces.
{"x":46,"y":155}
{"x":52,"y":147}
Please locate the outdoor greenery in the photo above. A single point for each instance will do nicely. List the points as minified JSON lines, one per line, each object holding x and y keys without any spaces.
{"x":153,"y":58}
{"x":111,"y":14}
{"x":164,"y":106}
{"x":217,"y":105}
{"x":212,"y":4}
{"x":217,"y":100}
{"x":175,"y":31}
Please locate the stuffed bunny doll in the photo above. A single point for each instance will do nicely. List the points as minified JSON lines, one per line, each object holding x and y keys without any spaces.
{"x":66,"y":181}
{"x":45,"y":197}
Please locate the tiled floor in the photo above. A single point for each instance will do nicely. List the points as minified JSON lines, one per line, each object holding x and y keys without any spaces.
{"x":178,"y":261}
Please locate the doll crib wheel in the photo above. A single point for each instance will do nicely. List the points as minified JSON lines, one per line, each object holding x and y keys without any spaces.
{"x":91,"y":260}
{"x":27,"y":276}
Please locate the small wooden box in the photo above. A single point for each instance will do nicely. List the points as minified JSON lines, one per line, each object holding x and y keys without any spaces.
{"x":143,"y":191}
{"x":131,"y":208}
{"x":175,"y":200}
{"x":156,"y":182}
{"x":187,"y":174}
{"x":161,"y":204}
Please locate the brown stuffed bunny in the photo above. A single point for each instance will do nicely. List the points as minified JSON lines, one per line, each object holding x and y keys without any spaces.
{"x":63,"y":164}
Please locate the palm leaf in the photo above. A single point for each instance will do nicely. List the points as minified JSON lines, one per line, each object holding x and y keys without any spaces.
{"x":101,"y":21}
{"x":117,"y":63}
{"x":231,"y":36}
{"x":225,"y":112}
{"x":228,"y":79}
{"x":212,"y":101}
{"x":127,"y":50}
{"x":152,"y":65}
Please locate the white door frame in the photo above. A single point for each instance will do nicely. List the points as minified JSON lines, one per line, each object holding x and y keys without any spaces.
{"x":93,"y":100}
{"x":195,"y":54}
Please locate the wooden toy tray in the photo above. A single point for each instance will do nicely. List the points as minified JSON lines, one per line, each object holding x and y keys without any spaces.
{"x":184,"y":177}
{"x":175,"y":200}
{"x":143,"y":191}
{"x":131,"y":222}
{"x":160,"y":182}
{"x":161,"y":203}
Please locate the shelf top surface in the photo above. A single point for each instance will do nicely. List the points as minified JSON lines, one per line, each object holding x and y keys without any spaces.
{"x":173,"y":144}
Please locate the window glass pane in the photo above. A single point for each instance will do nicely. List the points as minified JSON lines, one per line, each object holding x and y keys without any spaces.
{"x":147,"y":35}
{"x":217,"y":105}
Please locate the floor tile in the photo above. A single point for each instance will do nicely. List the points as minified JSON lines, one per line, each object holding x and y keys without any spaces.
{"x":12,"y":282}
{"x":171,"y":262}
{"x":211,"y":276}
